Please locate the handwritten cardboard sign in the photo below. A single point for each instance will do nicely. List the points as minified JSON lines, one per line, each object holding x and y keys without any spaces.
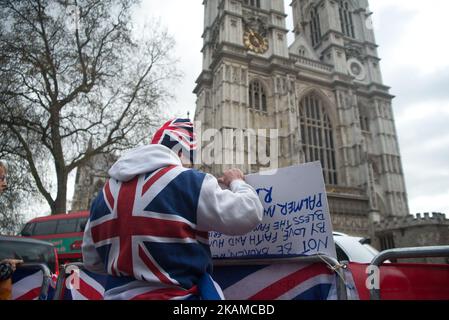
{"x":296,"y":217}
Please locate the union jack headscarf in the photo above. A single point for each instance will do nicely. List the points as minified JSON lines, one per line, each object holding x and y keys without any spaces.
{"x":177,"y":135}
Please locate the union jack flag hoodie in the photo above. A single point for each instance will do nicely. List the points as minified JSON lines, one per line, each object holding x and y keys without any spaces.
{"x":148,"y":227}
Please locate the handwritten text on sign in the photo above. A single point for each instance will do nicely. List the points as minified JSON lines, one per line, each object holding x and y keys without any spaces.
{"x":296,"y":217}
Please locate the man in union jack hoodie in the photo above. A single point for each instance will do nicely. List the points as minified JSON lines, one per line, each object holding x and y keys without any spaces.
{"x":148,"y":228}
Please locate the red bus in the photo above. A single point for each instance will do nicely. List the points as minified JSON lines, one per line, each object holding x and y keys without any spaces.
{"x":65,"y":231}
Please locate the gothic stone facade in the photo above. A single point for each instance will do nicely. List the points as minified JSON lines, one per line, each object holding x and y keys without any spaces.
{"x":324,"y":93}
{"x":90,"y":180}
{"x":422,"y":230}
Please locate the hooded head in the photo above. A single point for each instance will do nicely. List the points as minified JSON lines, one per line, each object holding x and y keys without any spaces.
{"x":178,"y":135}
{"x":173,"y":144}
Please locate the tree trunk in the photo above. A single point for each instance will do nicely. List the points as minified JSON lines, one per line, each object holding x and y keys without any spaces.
{"x":60,"y":203}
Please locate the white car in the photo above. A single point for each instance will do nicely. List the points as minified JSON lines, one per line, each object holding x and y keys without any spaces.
{"x":353,"y":249}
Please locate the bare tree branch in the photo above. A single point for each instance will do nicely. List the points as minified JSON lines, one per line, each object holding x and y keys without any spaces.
{"x":64,"y":85}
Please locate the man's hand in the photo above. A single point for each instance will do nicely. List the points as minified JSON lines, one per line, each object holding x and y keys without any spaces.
{"x":12,"y":262}
{"x":231,"y":175}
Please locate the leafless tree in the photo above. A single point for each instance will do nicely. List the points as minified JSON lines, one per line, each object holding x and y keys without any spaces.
{"x":73,"y":71}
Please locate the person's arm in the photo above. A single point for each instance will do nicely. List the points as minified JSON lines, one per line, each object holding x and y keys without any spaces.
{"x":232,"y":212}
{"x":8,"y":267}
{"x":91,"y":258}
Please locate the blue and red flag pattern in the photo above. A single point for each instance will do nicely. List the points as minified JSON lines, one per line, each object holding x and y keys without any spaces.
{"x":286,"y":281}
{"x":84,"y":285}
{"x":27,"y":285}
{"x":177,"y":133}
{"x":145,"y":232}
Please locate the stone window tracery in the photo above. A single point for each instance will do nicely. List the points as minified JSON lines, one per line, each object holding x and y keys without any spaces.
{"x":257,"y":96}
{"x":317,"y":136}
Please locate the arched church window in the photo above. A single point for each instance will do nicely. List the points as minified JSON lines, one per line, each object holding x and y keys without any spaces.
{"x":347,"y":25}
{"x":315,"y":27}
{"x":364,"y":118}
{"x":317,"y":136}
{"x":364,"y":123}
{"x":257,"y":96}
{"x":253,"y":3}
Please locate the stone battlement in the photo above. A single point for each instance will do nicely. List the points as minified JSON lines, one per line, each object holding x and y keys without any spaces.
{"x":412,"y":221}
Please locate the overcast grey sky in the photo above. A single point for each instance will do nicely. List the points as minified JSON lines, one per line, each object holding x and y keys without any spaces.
{"x":414,"y":63}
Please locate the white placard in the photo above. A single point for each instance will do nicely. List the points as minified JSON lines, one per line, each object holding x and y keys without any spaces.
{"x":296,"y":217}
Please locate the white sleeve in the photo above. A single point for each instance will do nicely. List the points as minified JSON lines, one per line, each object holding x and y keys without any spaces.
{"x":232,"y":212}
{"x":91,"y":258}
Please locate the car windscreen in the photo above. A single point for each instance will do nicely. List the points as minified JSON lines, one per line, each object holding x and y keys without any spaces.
{"x":341,"y":255}
{"x":28,"y":252}
{"x":28,"y":230}
{"x":354,"y":250}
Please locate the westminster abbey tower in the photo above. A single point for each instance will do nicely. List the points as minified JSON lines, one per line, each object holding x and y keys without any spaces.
{"x":324,"y":93}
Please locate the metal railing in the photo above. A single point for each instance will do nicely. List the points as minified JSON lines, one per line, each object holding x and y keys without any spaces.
{"x":46,"y":276}
{"x":405,"y":253}
{"x":330,"y":261}
{"x":62,"y":278}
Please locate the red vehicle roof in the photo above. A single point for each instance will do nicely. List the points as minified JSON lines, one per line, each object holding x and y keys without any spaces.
{"x":75,"y":215}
